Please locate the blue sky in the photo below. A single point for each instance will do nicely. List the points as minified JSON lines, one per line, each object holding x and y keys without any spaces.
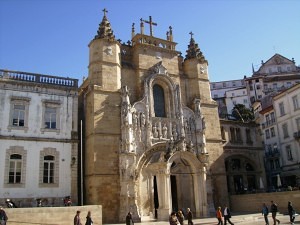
{"x":52,"y":36}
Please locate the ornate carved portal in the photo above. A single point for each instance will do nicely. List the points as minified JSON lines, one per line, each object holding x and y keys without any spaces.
{"x":163,"y":155}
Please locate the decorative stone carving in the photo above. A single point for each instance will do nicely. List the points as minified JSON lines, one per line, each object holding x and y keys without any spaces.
{"x":155,"y":132}
{"x":159,"y":69}
{"x":165,"y":131}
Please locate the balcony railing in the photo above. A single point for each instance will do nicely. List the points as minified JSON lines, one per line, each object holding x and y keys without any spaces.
{"x":38,"y":78}
{"x":271,"y":154}
{"x":268,"y":123}
{"x":297,"y":135}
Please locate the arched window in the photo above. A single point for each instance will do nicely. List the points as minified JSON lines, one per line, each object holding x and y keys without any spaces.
{"x":159,"y":101}
{"x":15,"y":168}
{"x":48,"y":172}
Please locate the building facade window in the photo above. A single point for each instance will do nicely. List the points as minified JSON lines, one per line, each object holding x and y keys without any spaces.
{"x":248,"y":136}
{"x":51,"y":116}
{"x":159,"y":101}
{"x":48,"y":174}
{"x":267,"y":132}
{"x":298,"y":123}
{"x":295,"y":102}
{"x":285,"y":130}
{"x":272,"y":129}
{"x":49,"y":168}
{"x":15,"y":167}
{"x":272,"y":117}
{"x":281,"y":109}
{"x":289,"y":153}
{"x":19,"y":111}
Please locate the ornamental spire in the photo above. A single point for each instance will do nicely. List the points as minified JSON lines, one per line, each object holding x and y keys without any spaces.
{"x":104,"y":30}
{"x":194,"y":51}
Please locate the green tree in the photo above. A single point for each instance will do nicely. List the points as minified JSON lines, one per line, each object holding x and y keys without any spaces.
{"x":241,"y":113}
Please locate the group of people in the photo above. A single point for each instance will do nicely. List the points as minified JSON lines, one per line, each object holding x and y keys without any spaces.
{"x":89,"y":220}
{"x":178,"y":218}
{"x":226,"y":214}
{"x":274,"y":210}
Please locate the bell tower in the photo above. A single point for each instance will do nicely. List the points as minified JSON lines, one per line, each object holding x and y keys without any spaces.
{"x":100,"y":96}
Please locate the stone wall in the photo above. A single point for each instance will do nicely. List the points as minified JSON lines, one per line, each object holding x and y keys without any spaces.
{"x":253,"y":202}
{"x":52,"y":215}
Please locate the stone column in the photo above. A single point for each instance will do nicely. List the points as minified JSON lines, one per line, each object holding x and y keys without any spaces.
{"x":164,"y":195}
{"x":200,"y":193}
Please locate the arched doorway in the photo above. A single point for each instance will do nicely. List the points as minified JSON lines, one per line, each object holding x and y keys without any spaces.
{"x":166,"y":185}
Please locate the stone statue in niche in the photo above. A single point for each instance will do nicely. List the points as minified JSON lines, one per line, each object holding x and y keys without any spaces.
{"x":143,"y":119}
{"x":134,"y":119}
{"x":197,"y":108}
{"x":203,"y":124}
{"x":155,"y":132}
{"x":174,"y":132}
{"x":186,"y":125}
{"x":165,"y":131}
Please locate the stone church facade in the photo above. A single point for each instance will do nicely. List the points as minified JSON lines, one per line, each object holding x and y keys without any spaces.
{"x":152,"y":139}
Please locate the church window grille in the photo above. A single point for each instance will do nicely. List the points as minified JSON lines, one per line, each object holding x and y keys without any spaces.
{"x":15,"y":168}
{"x":159,"y":101}
{"x":48,"y":174}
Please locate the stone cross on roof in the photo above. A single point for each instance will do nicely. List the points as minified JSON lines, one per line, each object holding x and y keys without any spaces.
{"x":150,"y":22}
{"x":191,"y":33}
{"x":105,"y":11}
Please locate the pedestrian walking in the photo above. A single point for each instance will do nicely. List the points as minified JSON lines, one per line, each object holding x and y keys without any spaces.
{"x":274,"y":210}
{"x":291,"y":212}
{"x":129,"y":220}
{"x":265,"y":213}
{"x":173,"y":219}
{"x":89,"y":220}
{"x":189,"y":216}
{"x":219,"y":216}
{"x":227,"y":216}
{"x":180,"y":217}
{"x":3,"y":216}
{"x":77,"y":218}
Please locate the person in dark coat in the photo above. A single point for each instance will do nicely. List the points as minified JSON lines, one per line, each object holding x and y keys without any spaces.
{"x":129,"y":220}
{"x":77,"y":218}
{"x":3,"y":216}
{"x":89,"y":220}
{"x":227,"y":215}
{"x":274,"y":210}
{"x":180,"y":217}
{"x":291,"y":212}
{"x":265,"y":213}
{"x":173,"y":220}
{"x":189,"y":216}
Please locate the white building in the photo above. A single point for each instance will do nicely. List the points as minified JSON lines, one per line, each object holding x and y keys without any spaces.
{"x":287,"y":111}
{"x":237,"y":96}
{"x":38,"y":138}
{"x":276,"y":74}
{"x":227,"y":93}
